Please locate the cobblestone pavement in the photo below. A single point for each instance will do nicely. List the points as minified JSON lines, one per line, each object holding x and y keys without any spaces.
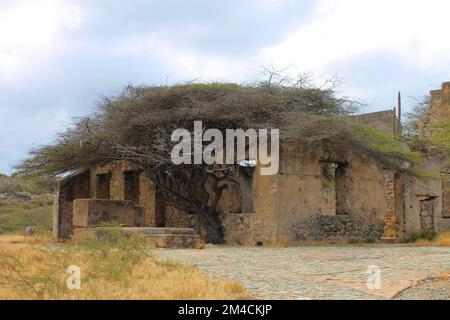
{"x":428,"y":290}
{"x":319,"y":272}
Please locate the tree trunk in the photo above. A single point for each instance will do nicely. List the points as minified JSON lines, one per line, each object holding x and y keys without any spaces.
{"x":208,"y":216}
{"x":212,"y":225}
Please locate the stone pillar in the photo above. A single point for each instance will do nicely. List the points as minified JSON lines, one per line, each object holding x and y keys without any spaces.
{"x":390,"y":219}
{"x":147,"y":199}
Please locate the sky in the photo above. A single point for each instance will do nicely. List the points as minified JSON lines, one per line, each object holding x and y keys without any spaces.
{"x":57,"y":57}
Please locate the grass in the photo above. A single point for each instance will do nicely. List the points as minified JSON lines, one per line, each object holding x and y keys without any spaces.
{"x":16,"y":215}
{"x":385,"y":143}
{"x":17,"y":239}
{"x":119,"y":268}
{"x":442,"y":239}
{"x":115,"y":267}
{"x":37,"y":185}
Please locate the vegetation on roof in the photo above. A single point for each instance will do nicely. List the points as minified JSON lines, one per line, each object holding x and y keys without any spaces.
{"x":144,"y":118}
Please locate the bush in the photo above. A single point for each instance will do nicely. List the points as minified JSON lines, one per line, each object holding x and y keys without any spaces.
{"x":119,"y":252}
{"x":414,"y":236}
{"x":16,"y":216}
{"x":118,"y":268}
{"x":36,"y":185}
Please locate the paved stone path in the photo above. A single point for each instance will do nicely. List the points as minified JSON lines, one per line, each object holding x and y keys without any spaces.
{"x":318,"y":272}
{"x":428,"y":290}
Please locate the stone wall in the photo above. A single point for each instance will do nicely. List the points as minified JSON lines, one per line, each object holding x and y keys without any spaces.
{"x":353,"y":193}
{"x":145,"y":191}
{"x":433,"y":191}
{"x":300,"y":196}
{"x":358,"y":197}
{"x":367,"y":228}
{"x":385,"y":121}
{"x":446,"y":198}
{"x":175,"y":218}
{"x":439,"y":109}
{"x":420,"y":190}
{"x":69,"y":189}
{"x":92,"y":212}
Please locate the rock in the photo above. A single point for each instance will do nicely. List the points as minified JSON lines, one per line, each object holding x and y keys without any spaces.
{"x":24,"y":195}
{"x":5,"y":196}
{"x":29,"y":231}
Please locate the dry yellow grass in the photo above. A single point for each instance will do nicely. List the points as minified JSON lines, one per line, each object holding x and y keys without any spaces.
{"x":441,"y":240}
{"x":14,"y":238}
{"x":45,"y":271}
{"x":443,"y":276}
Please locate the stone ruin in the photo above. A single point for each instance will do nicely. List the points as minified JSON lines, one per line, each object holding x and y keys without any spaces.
{"x":317,"y":195}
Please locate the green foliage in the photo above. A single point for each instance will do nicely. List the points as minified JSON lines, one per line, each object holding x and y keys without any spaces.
{"x":111,"y":259}
{"x":328,"y":175}
{"x":412,"y":119}
{"x":47,"y":280}
{"x":145,"y":117}
{"x":137,"y":125}
{"x":211,"y":86}
{"x":14,"y":218}
{"x":441,"y":135}
{"x":118,"y":252}
{"x":426,"y":174}
{"x":414,"y":236}
{"x":34,"y":185}
{"x":385,"y":143}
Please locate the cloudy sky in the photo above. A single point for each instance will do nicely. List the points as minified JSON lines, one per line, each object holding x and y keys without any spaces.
{"x":58,"y":56}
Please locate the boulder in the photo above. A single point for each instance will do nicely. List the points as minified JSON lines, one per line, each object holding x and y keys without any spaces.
{"x":29,"y":231}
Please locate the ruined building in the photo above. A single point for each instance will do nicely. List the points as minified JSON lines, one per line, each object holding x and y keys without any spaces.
{"x":316,"y":195}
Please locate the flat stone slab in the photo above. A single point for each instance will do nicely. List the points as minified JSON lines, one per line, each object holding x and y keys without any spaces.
{"x":317,"y":272}
{"x":173,"y":238}
{"x":158,"y":231}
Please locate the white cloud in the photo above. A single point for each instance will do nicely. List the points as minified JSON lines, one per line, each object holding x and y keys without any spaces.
{"x":29,"y":30}
{"x":415,"y":29}
{"x":183,"y":62}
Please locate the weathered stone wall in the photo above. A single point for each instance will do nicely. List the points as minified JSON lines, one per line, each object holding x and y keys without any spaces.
{"x":117,"y":169}
{"x":439,"y":109}
{"x":92,"y":212}
{"x":362,"y":227}
{"x":299,"y":197}
{"x":283,"y":205}
{"x":385,"y":121}
{"x":238,"y":228}
{"x":175,"y":218}
{"x":356,"y":199}
{"x":446,"y":199}
{"x":147,"y":199}
{"x":431,"y":194}
{"x":421,"y":190}
{"x":69,"y":189}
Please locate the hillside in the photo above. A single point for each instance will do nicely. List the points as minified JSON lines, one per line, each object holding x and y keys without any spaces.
{"x":13,"y":187}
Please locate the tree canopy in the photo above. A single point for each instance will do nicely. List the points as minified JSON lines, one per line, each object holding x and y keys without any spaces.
{"x":143,"y":118}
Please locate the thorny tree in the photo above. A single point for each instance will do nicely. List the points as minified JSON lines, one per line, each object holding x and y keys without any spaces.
{"x":137,"y":126}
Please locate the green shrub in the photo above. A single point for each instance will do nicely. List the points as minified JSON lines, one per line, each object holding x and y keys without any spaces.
{"x":385,"y":143}
{"x":35,"y":185}
{"x":110,"y":260}
{"x":414,"y":236}
{"x":113,"y":252}
{"x":14,"y":219}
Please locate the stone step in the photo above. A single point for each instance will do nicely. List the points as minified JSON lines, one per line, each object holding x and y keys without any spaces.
{"x":155,"y":230}
{"x":389,"y":240}
{"x":175,"y":241}
{"x":158,"y":237}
